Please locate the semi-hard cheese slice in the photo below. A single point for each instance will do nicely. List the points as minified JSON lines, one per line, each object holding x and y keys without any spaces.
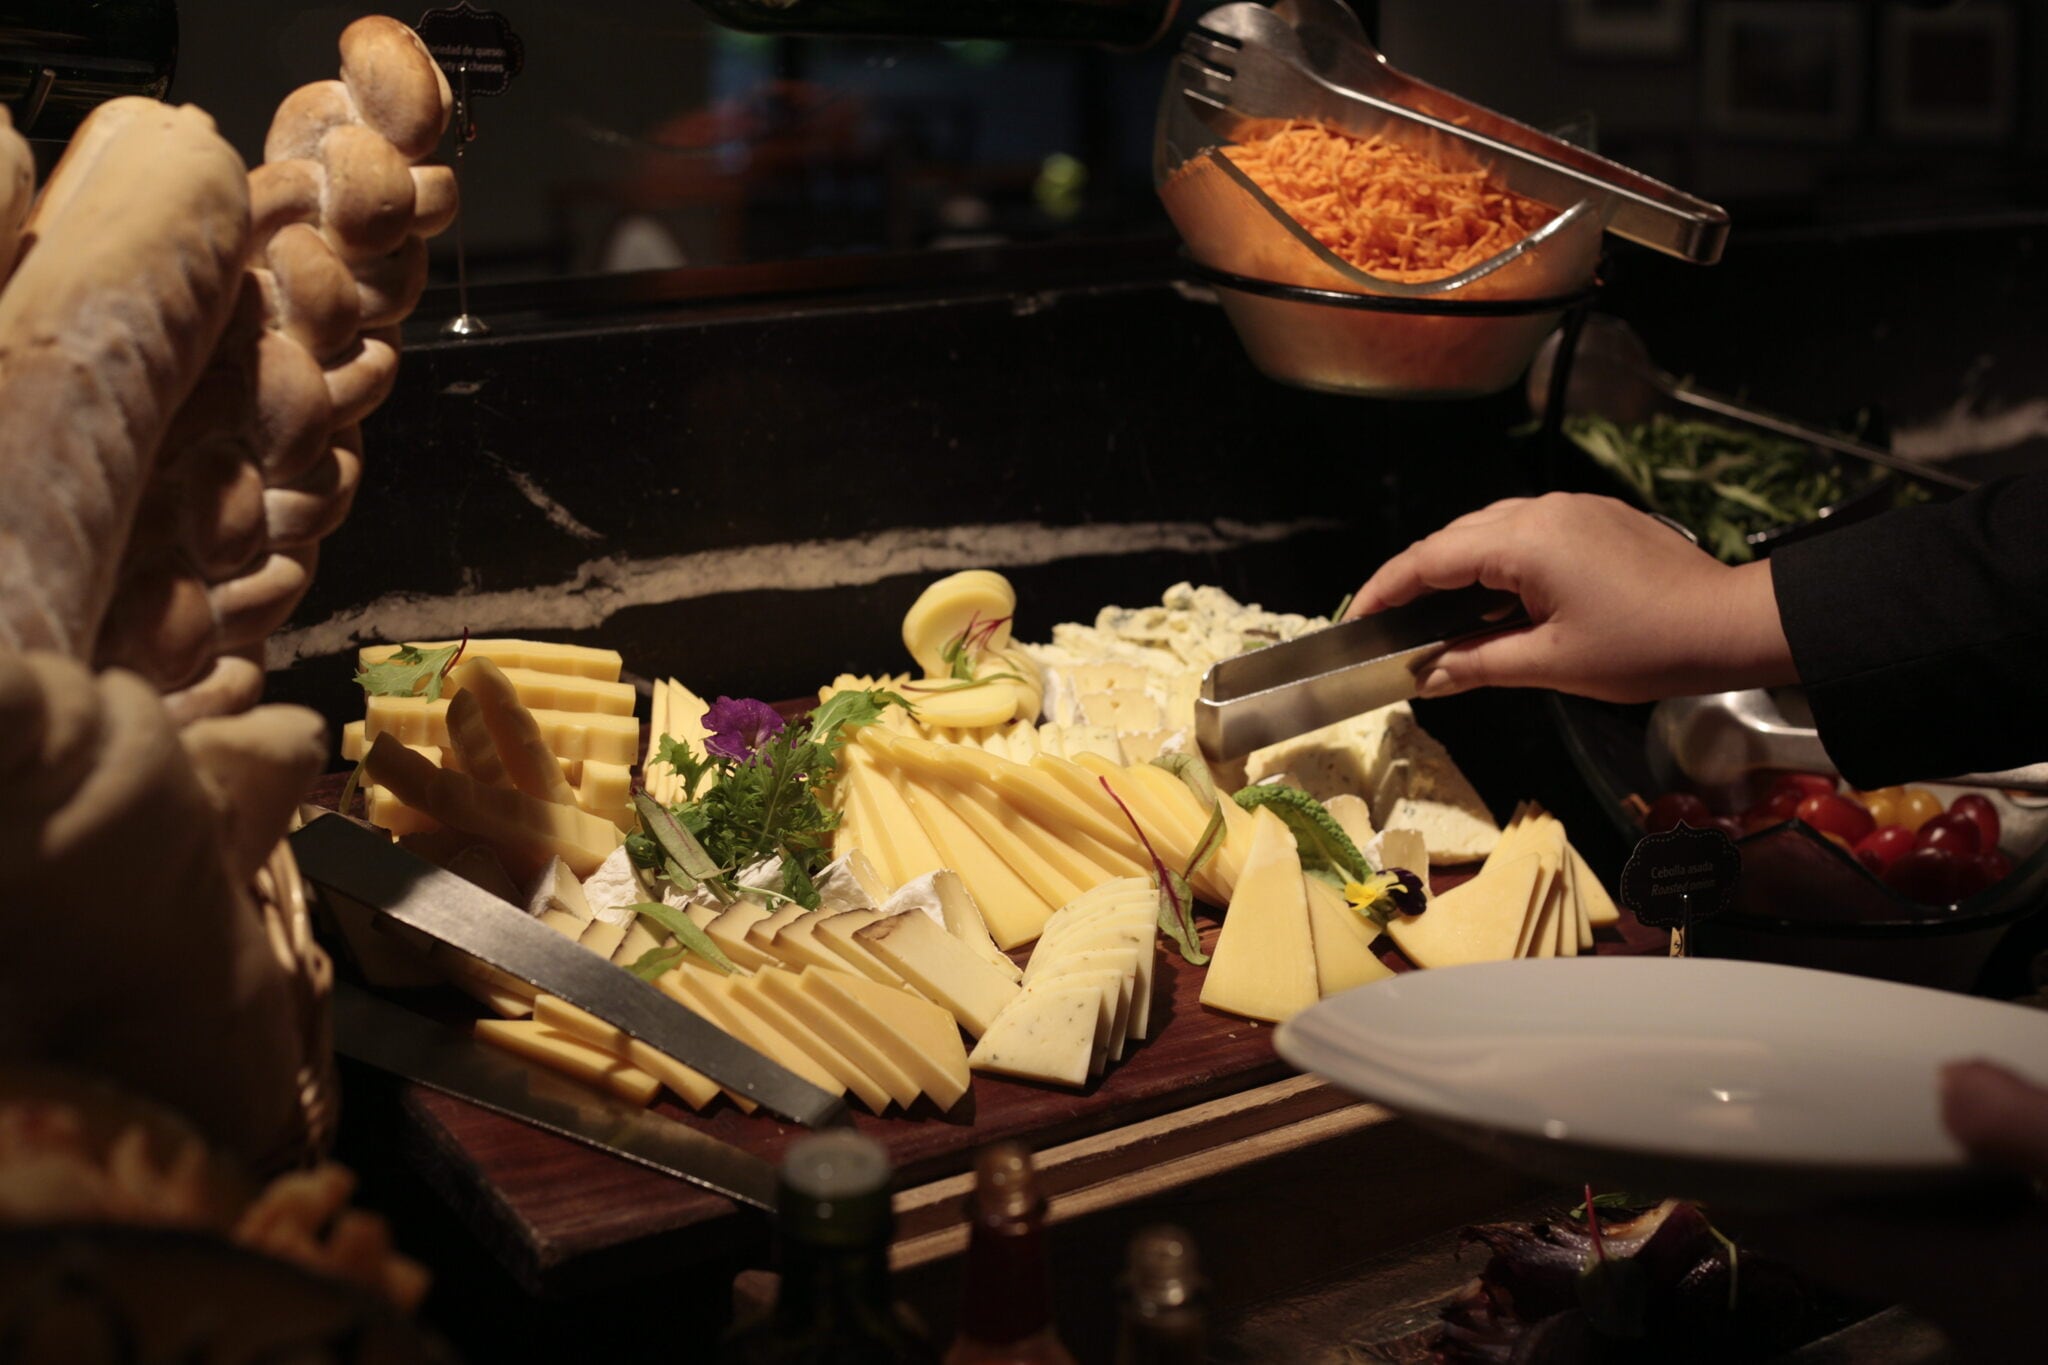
{"x":1352,"y":815}
{"x":607,"y":789}
{"x":1141,"y":938}
{"x":941,"y":968}
{"x":1343,"y":940}
{"x":966,"y":610}
{"x":693,"y":1088}
{"x":519,"y":825}
{"x":729,"y":931}
{"x":1045,"y":1035}
{"x":382,"y":808}
{"x":514,"y":734}
{"x":1040,"y":873}
{"x":705,"y":990}
{"x":1476,"y":922}
{"x":920,"y":1037}
{"x":863,"y":1046}
{"x":838,"y":934}
{"x":1601,"y":912}
{"x":1014,"y":911}
{"x":762,"y":934}
{"x":567,"y":734}
{"x":602,"y":937}
{"x":566,"y":692}
{"x":944,"y":897}
{"x":1264,"y":962}
{"x":884,"y":811}
{"x":542,"y":656}
{"x":796,"y":944}
{"x":592,"y":1065}
{"x":747,"y":995}
{"x":1115,"y":969}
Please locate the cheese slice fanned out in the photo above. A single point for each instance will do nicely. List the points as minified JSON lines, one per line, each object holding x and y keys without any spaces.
{"x":1264,"y":962}
{"x":1477,"y":922}
{"x":1047,"y":1034}
{"x":939,"y":967}
{"x":1343,"y":940}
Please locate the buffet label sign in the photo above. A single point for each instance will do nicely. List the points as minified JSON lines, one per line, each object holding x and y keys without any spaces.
{"x":1681,"y":876}
{"x":476,"y":46}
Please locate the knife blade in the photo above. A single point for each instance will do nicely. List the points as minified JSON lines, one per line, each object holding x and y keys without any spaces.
{"x":345,"y":858}
{"x":394,"y":1039}
{"x":1303,"y":684}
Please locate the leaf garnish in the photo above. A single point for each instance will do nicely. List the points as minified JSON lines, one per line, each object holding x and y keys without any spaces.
{"x":656,"y":962}
{"x":1195,"y":773}
{"x":684,"y":860}
{"x":687,"y":933}
{"x":973,"y":640}
{"x":349,"y":789}
{"x":852,"y":710}
{"x":412,"y":671}
{"x":1176,"y":898}
{"x":797,"y":884}
{"x":981,"y":681}
{"x":1325,"y":847}
{"x":683,"y":760}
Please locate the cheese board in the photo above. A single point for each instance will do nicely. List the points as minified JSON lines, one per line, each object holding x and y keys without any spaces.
{"x":1018,"y":844}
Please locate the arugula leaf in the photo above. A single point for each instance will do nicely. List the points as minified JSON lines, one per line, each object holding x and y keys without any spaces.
{"x":1176,"y":898}
{"x":686,"y":931}
{"x":410,"y":670}
{"x":851,"y":710}
{"x":680,"y":757}
{"x":797,"y":884}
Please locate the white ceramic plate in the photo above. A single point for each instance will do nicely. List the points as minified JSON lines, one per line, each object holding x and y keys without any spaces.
{"x":1741,"y":1082}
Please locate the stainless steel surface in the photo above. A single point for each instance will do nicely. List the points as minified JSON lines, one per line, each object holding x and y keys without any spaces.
{"x":1613,"y":375}
{"x":1299,"y":685}
{"x":364,"y":866}
{"x":1718,"y":740}
{"x":1362,"y":94}
{"x":394,"y":1039}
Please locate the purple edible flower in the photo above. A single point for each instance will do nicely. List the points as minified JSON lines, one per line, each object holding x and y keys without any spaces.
{"x":739,"y":726}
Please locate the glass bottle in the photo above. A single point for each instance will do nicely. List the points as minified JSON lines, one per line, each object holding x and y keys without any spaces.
{"x":1162,"y":1321}
{"x":1006,"y":1308}
{"x":833,"y":1223}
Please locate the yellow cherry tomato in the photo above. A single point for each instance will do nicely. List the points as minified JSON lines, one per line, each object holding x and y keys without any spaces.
{"x":1883,"y":803}
{"x":1916,"y":807}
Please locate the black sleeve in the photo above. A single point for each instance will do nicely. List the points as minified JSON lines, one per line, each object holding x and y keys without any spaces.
{"x":1922,"y":635}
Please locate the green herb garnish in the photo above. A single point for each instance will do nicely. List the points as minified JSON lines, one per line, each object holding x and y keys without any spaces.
{"x":1176,"y":897}
{"x":412,"y":671}
{"x":687,"y":933}
{"x":1326,"y":850}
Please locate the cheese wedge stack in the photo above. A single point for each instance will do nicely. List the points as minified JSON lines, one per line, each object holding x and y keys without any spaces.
{"x":1024,"y":838}
{"x":1534,"y":897}
{"x":551,"y":705}
{"x":1087,"y":990}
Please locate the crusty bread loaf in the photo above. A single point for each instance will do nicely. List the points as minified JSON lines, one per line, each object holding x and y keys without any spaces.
{"x":139,"y":954}
{"x":109,"y":318}
{"x":17,"y":188}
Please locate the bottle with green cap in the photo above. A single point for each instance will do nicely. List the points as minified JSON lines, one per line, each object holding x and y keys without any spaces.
{"x":832,"y":1226}
{"x":1162,"y":1302}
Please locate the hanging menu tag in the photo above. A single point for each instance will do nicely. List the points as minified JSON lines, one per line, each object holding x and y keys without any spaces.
{"x":481,"y":40}
{"x":1681,"y":876}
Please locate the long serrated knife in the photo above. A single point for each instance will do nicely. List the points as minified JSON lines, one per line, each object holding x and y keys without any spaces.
{"x":1321,"y":678}
{"x":394,"y":1039}
{"x":363,"y":865}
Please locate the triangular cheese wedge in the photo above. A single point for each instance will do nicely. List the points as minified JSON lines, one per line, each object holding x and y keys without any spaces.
{"x":918,"y":1036}
{"x":1476,"y":922}
{"x":1264,"y":963}
{"x":1601,"y":911}
{"x":1044,"y":1035}
{"x":1343,"y":940}
{"x":747,"y":994}
{"x":798,"y":993}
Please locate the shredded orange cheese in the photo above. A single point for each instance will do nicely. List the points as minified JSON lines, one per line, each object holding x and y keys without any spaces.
{"x":1385,"y":209}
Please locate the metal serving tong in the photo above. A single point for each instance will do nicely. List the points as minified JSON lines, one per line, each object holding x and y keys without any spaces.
{"x":1310,"y":59}
{"x":1303,"y":684}
{"x":1720,"y":739}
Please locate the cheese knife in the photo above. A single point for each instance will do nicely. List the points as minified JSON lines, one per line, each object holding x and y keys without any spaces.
{"x":392,"y":1038}
{"x":346,"y":859}
{"x":1298,"y":685}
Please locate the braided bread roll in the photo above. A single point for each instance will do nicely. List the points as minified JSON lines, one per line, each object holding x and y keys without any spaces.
{"x":163,"y":977}
{"x":263,"y":462}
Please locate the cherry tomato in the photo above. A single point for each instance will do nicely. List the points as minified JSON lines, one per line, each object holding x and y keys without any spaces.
{"x":1772,"y":810}
{"x":1980,"y":810}
{"x":1805,"y":784}
{"x":1883,"y":803}
{"x":1836,"y":815}
{"x":1728,"y":825}
{"x":1926,"y":875}
{"x":1995,"y":866}
{"x":1971,"y":877}
{"x":1838,"y":841}
{"x":1955,"y":834}
{"x":1917,"y":806}
{"x":1670,"y":808}
{"x":1872,"y":864}
{"x":1885,"y":845}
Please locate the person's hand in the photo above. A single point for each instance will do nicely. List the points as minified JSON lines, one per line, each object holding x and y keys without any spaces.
{"x":1622,"y":608}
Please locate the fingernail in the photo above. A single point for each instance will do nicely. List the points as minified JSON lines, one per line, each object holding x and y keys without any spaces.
{"x":1435,"y":683}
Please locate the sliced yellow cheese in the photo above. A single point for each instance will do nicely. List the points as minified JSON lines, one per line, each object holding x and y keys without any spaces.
{"x":1047,"y":1034}
{"x":691,"y":1087}
{"x":888,"y":819}
{"x":796,"y":944}
{"x":579,"y":661}
{"x":521,"y":826}
{"x":383,"y":809}
{"x":514,"y":734}
{"x":546,"y":691}
{"x":839,"y":935}
{"x":607,"y":789}
{"x":748,"y":996}
{"x":729,"y":931}
{"x":1264,"y":962}
{"x":1476,"y":922}
{"x":1049,"y":881}
{"x":353,"y":741}
{"x":572,"y":1056}
{"x":602,"y":937}
{"x":1115,"y":970}
{"x":944,"y":891}
{"x":707,"y":992}
{"x":918,"y":1036}
{"x":864,"y":1045}
{"x":1601,"y":912}
{"x":1014,"y":910}
{"x":761,"y":934}
{"x":972,"y":607}
{"x":1343,"y":941}
{"x":939,"y":967}
{"x":1353,"y":816}
{"x":567,"y":734}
